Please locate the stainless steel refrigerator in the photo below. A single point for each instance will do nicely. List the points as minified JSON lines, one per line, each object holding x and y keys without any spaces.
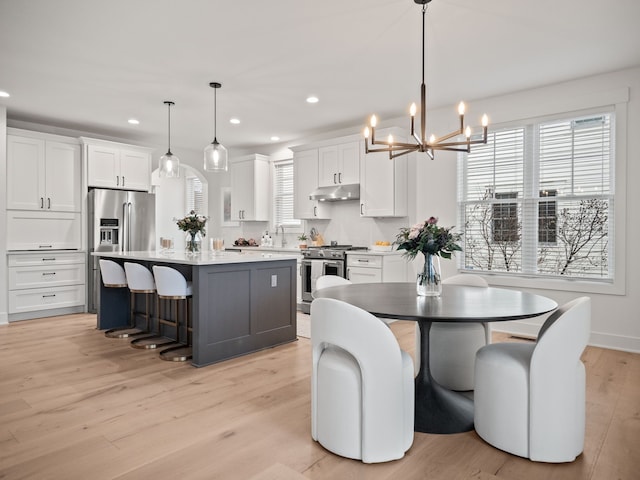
{"x":119,"y":221}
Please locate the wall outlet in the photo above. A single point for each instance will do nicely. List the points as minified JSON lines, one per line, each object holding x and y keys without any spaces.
{"x":274,"y":280}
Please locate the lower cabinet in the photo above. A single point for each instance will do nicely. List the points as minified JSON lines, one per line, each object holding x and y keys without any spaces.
{"x":41,"y":282}
{"x":368,"y":268}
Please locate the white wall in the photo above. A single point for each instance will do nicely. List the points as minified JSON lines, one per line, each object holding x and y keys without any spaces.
{"x":4,"y":316}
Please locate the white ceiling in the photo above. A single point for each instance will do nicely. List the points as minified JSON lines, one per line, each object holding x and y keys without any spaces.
{"x":90,"y":65}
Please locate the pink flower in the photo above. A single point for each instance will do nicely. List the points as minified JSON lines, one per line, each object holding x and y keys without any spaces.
{"x":432,"y":220}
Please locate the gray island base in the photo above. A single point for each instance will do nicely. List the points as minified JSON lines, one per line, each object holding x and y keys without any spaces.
{"x":242,"y":302}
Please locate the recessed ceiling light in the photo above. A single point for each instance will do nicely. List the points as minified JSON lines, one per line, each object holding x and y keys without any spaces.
{"x":133,"y":121}
{"x":4,"y":94}
{"x":313,"y":99}
{"x":275,"y":139}
{"x":235,"y":121}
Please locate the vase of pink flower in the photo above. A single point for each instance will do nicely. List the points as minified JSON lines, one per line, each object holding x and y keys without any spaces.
{"x":433,"y":242}
{"x":194,"y":225}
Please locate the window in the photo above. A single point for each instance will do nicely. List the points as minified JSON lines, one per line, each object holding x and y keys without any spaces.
{"x":195,"y":198}
{"x":537,"y":199}
{"x":283,"y":195}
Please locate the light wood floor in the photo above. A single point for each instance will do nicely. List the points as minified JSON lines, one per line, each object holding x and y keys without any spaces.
{"x":77,"y":405}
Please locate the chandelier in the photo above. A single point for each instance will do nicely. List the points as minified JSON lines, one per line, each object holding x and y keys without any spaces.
{"x":169,"y":164}
{"x":446,"y":142}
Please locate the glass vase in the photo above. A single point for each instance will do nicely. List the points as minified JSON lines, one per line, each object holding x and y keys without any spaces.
{"x":429,"y":281}
{"x":193,"y":243}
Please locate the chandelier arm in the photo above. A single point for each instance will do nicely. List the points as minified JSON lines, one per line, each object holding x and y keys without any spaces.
{"x":462,"y":142}
{"x":448,"y":136}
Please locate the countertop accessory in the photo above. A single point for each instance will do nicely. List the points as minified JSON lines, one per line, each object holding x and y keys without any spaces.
{"x":215,"y":154}
{"x":169,"y":164}
{"x":423,"y":144}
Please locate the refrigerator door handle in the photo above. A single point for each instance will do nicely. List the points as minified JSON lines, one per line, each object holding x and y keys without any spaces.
{"x":124,"y":244}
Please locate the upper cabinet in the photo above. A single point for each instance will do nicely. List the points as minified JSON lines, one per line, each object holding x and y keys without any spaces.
{"x":250,"y":188}
{"x":339,"y":164}
{"x":383,"y":184}
{"x":305,"y":178}
{"x":117,"y":165}
{"x":44,"y":173}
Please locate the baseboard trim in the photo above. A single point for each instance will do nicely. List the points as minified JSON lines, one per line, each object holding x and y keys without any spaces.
{"x":596,"y":339}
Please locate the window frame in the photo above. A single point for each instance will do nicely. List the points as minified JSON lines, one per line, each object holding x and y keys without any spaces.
{"x":614,"y":102}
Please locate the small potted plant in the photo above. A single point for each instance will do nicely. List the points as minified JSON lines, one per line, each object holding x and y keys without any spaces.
{"x":303,"y":241}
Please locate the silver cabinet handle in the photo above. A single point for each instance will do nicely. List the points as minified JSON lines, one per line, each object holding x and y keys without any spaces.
{"x":339,"y":177}
{"x":363,"y":260}
{"x":41,"y":202}
{"x":45,"y":246}
{"x":52,"y":295}
{"x":52,"y":259}
{"x":117,"y":180}
{"x":123,"y":180}
{"x":362,"y":209}
{"x":334,"y":178}
{"x":49,"y":203}
{"x":48,"y":273}
{"x":315,"y":211}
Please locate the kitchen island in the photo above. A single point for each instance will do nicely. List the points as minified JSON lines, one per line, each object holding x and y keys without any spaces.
{"x":242,"y":302}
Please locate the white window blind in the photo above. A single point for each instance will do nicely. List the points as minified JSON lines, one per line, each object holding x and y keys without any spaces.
{"x":283,"y":194}
{"x":537,"y":199}
{"x":195,"y":199}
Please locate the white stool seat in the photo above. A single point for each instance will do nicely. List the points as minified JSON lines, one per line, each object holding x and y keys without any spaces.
{"x":171,"y":285}
{"x":114,"y":276}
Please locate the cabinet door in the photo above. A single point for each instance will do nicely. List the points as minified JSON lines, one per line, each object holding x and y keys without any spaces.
{"x":135,"y":170}
{"x":103,"y":166}
{"x":25,"y":173}
{"x":364,"y":275}
{"x":241,"y":190}
{"x":349,"y":163}
{"x":383,"y":184}
{"x":62,"y":177}
{"x":328,"y":166}
{"x":43,"y":230}
{"x":305,"y":178}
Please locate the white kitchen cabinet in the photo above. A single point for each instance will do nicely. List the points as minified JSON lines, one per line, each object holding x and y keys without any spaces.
{"x":250,"y":188}
{"x":41,"y":282}
{"x":43,"y":173}
{"x":117,"y":165}
{"x":376,"y":268}
{"x":339,"y":164}
{"x":383,"y":185}
{"x":29,"y":230}
{"x":305,"y":178}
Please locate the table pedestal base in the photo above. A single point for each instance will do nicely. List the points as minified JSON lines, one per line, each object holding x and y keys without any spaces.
{"x":439,"y":410}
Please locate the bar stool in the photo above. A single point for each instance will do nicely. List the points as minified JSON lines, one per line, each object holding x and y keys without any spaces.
{"x":171,"y":285}
{"x":141,"y":281}
{"x":113,"y":276}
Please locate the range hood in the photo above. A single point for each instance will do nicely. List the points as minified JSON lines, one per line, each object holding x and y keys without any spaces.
{"x":336,"y":193}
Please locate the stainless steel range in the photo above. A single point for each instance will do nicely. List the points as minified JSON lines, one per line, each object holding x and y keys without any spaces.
{"x":318,"y":261}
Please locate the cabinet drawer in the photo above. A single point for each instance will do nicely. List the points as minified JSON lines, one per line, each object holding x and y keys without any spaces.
{"x":373,"y":261}
{"x":46,"y":298}
{"x":52,"y":258}
{"x":42,"y":276}
{"x":364,"y":275}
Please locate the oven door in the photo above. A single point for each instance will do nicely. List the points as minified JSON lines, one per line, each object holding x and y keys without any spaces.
{"x":329,"y":267}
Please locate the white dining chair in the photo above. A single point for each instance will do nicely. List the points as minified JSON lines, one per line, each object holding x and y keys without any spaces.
{"x":530,"y":397}
{"x":325,"y":281}
{"x":453,"y":346}
{"x":362,"y":388}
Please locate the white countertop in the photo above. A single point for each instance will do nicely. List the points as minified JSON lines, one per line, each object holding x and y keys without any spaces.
{"x":298,"y":251}
{"x":204,"y":258}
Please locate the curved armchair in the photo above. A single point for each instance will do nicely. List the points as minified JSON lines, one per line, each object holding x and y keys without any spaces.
{"x":453,"y":346}
{"x":530,"y":398}
{"x":325,"y":281}
{"x":362,"y":389}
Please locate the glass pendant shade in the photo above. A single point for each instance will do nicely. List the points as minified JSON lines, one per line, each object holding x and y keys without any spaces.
{"x":169,"y":164}
{"x":215,"y":157}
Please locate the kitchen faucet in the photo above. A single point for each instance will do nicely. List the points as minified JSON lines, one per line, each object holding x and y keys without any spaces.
{"x":283,"y":242}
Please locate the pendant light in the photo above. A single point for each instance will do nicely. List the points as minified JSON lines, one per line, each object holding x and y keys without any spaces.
{"x":169,"y":165}
{"x":215,"y":155}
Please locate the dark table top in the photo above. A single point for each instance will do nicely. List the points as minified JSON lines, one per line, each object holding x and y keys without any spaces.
{"x":457,"y":303}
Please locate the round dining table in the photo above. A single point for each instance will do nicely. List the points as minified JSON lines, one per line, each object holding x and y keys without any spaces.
{"x":438,"y":409}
